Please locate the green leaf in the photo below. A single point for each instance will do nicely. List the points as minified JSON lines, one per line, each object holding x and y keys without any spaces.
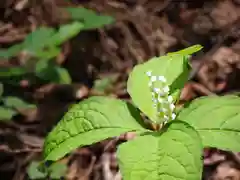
{"x":35,"y":41}
{"x":44,"y":37}
{"x":17,"y":103}
{"x":93,"y":22}
{"x":63,"y":75}
{"x":90,"y":19}
{"x":44,"y":69}
{"x":188,"y":51}
{"x":80,"y":13}
{"x":103,"y":84}
{"x":173,"y":155}
{"x":48,"y":53}
{"x":12,"y":71}
{"x":216,"y":119}
{"x":57,"y":170}
{"x":65,"y":33}
{"x":91,"y":121}
{"x":49,"y":71}
{"x":1,"y":90}
{"x":6,"y":113}
{"x":38,"y":39}
{"x":11,"y":52}
{"x":34,"y":171}
{"x":174,"y":68}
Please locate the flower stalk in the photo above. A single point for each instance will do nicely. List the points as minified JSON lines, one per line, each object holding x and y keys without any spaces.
{"x":162,"y":101}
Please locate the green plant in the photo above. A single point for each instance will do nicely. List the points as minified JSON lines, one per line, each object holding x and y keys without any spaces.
{"x":37,"y":170}
{"x":42,"y":45}
{"x":40,"y":48}
{"x":89,"y":18}
{"x":9,"y":105}
{"x":173,"y":151}
{"x":105,"y":84}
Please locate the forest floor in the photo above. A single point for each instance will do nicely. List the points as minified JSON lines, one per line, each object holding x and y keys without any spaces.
{"x":143,"y":29}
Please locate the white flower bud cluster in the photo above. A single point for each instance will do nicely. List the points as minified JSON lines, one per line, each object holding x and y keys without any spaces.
{"x":162,"y":101}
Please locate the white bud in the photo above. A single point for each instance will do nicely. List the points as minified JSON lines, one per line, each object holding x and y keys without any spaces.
{"x":164,"y":110}
{"x":166,"y":89}
{"x":165,"y":117}
{"x":160,"y":110}
{"x":160,"y":100}
{"x":173,"y":116}
{"x":162,"y":79}
{"x":172,"y":106}
{"x":161,"y":94}
{"x":156,"y":90}
{"x":154,"y":100}
{"x":149,"y":73}
{"x":150,"y":84}
{"x":153,"y":78}
{"x":170,"y":99}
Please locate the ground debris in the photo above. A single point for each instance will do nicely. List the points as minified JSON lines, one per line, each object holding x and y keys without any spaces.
{"x":143,"y":29}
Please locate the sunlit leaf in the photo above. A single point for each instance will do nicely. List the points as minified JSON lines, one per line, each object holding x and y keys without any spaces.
{"x":90,"y":121}
{"x":217,"y":120}
{"x":175,"y":68}
{"x":172,"y":155}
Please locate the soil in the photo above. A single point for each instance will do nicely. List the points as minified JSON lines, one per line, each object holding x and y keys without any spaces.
{"x":143,"y":29}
